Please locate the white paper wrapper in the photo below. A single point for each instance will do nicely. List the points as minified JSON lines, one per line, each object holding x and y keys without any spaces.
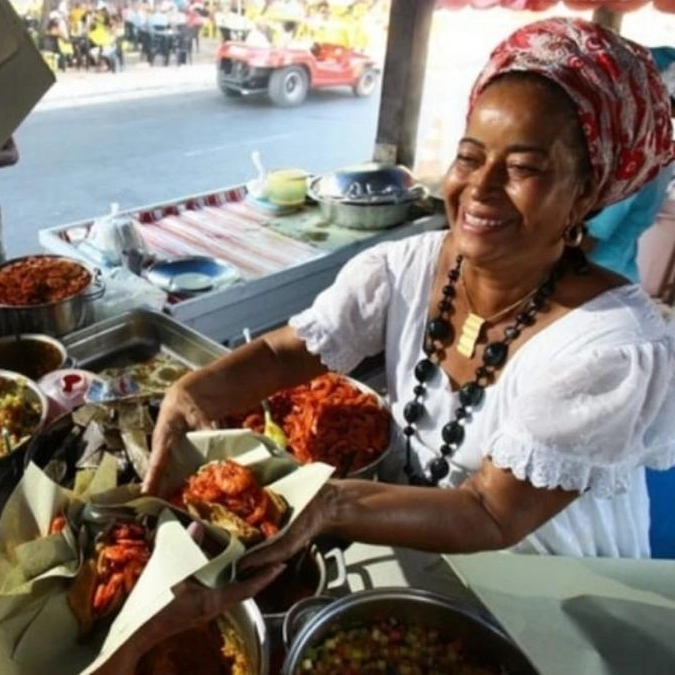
{"x":38,"y":633}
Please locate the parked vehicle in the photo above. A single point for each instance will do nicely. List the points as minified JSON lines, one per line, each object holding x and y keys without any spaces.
{"x":287,"y":74}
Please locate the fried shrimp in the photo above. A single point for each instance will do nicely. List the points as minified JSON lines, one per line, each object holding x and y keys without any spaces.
{"x":228,"y":494}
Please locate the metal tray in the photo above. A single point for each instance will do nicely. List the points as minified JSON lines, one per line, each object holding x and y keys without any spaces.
{"x":135,"y":337}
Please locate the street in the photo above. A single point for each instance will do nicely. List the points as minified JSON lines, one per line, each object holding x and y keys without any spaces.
{"x":75,"y":161}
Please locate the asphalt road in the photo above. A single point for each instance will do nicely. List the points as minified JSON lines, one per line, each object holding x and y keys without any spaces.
{"x":76,"y":161}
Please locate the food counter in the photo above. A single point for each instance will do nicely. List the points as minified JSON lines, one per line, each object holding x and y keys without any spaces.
{"x":594,"y":614}
{"x":588,"y":616}
{"x":284,"y":259}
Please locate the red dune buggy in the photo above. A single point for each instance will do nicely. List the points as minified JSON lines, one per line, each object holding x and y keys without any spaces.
{"x":287,"y":74}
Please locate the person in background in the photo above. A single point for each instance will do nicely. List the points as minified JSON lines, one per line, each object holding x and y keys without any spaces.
{"x":614,"y":233}
{"x":104,"y":47}
{"x":75,"y":19}
{"x":195,"y":22}
{"x":57,"y":43}
{"x":9,"y":155}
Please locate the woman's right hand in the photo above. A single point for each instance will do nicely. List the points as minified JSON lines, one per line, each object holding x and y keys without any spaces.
{"x":232,"y":384}
{"x":181,"y":411}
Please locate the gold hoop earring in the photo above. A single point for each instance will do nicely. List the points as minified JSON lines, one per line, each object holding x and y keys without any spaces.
{"x":574,"y":235}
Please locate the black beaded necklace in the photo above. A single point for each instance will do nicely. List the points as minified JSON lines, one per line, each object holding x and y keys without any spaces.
{"x":495,"y":354}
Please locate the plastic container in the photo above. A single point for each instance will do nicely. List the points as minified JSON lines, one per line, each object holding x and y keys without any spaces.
{"x":117,"y":241}
{"x":65,"y":389}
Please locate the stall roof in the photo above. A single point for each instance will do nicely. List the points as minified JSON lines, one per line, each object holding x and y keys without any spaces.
{"x":542,"y":5}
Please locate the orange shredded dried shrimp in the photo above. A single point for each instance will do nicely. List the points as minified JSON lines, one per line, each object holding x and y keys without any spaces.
{"x":121,"y":556}
{"x":233,"y":486}
{"x":58,"y":524}
{"x":38,"y":280}
{"x":328,"y":420}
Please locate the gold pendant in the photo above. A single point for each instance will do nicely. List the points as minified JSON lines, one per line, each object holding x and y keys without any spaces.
{"x":471,"y":329}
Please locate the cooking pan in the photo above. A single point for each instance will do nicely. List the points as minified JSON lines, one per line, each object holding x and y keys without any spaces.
{"x":482,"y":640}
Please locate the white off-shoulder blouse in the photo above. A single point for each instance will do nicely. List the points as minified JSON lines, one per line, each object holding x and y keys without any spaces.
{"x":586,"y":404}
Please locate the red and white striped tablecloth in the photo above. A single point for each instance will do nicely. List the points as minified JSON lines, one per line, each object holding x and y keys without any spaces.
{"x":233,"y":232}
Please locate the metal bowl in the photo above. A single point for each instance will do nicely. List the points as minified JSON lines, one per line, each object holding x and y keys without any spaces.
{"x":248,"y":621}
{"x":51,"y":318}
{"x":370,"y":470}
{"x":12,"y":463}
{"x":250,"y":640}
{"x":478,"y":635}
{"x":11,"y":382}
{"x":310,"y":574}
{"x":32,"y":354}
{"x":369,"y":183}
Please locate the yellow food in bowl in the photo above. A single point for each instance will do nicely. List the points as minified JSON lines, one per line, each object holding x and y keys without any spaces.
{"x":21,"y":413}
{"x":287,"y":187}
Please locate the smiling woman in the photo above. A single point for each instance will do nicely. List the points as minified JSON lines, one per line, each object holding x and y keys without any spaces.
{"x":517,"y":177}
{"x":531,"y":385}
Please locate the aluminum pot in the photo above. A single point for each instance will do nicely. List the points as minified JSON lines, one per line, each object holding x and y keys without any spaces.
{"x":53,"y":318}
{"x":364,"y":216}
{"x":32,"y":354}
{"x":373,"y":199}
{"x":250,"y":626}
{"x":368,"y":183}
{"x":308,"y":624}
{"x":306,"y":576}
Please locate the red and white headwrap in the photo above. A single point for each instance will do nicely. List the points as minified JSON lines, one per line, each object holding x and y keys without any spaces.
{"x":623,"y":105}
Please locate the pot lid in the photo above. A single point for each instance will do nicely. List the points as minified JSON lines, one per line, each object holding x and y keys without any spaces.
{"x":368,"y":183}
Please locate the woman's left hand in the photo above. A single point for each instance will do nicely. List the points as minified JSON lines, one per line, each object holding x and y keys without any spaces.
{"x":309,"y":525}
{"x":193,"y":605}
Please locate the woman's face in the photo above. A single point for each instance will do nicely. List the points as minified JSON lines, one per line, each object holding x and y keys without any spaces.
{"x":514,"y":185}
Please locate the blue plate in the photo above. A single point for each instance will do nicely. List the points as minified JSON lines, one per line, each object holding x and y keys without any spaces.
{"x":192,"y":274}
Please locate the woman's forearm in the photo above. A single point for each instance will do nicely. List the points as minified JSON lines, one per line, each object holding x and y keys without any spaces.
{"x":491,"y":510}
{"x":254,"y":371}
{"x":442,"y":521}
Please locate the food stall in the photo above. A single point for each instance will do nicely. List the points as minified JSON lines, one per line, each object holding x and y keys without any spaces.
{"x":554,"y":611}
{"x":282,"y":261}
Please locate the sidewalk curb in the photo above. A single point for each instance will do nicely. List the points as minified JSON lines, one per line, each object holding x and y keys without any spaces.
{"x":101,"y":98}
{"x":80,"y":89}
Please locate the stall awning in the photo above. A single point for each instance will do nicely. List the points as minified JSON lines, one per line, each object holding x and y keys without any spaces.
{"x":541,"y":5}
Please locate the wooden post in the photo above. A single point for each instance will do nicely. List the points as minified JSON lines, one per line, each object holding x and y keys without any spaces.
{"x":403,"y":80}
{"x":609,"y":18}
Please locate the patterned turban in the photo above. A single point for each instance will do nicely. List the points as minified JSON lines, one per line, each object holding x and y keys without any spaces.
{"x":622,"y":103}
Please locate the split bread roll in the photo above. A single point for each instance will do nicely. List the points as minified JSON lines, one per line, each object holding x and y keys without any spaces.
{"x":221,"y":516}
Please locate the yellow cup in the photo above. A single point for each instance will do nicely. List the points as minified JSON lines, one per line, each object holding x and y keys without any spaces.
{"x":287,"y":187}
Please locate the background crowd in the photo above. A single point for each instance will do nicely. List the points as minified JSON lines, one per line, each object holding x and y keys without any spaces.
{"x":97,"y":34}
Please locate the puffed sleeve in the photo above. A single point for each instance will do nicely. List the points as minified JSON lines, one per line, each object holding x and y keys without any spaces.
{"x":346,"y":322}
{"x":587,"y":424}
